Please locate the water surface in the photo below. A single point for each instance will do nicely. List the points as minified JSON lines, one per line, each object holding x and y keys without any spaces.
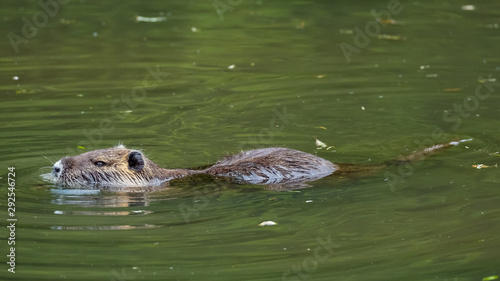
{"x":197,"y":84}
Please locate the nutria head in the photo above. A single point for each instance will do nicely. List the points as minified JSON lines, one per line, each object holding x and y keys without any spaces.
{"x":111,"y":167}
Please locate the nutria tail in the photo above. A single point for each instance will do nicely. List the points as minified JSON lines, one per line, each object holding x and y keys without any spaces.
{"x":421,"y":154}
{"x":351,"y":170}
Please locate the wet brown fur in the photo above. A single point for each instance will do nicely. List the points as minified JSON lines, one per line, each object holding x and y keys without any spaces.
{"x":122,"y":167}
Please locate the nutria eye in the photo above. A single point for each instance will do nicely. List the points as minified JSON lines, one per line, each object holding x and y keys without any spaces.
{"x":99,"y":163}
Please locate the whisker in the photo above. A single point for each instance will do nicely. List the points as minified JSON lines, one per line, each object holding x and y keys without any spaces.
{"x":45,"y":167}
{"x":53,"y":162}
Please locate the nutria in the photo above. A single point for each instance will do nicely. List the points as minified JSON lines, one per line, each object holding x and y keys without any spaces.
{"x":120,"y":167}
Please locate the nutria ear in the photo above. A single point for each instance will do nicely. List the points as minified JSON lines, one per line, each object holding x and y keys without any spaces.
{"x":135,"y":161}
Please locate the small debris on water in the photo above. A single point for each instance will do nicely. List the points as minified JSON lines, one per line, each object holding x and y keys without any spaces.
{"x":66,"y":21}
{"x":321,"y":76}
{"x":433,"y":75}
{"x":300,"y":25}
{"x":267,"y":223}
{"x":15,"y":78}
{"x":452,"y":89}
{"x":468,"y":7}
{"x":232,"y":66}
{"x":391,"y":37}
{"x":490,"y":278}
{"x":487,"y":80}
{"x":150,"y":19}
{"x":362,"y":108}
{"x":346,"y":31}
{"x":387,"y":21}
{"x":309,"y":201}
{"x":194,"y":29}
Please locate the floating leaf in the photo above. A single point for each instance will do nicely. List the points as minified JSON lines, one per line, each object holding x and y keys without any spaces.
{"x":322,"y":145}
{"x":482,"y":166}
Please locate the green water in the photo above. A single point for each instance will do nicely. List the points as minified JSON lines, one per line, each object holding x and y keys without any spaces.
{"x":199,"y":84}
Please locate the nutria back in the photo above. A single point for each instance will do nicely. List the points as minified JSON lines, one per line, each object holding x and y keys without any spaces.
{"x":272,"y":165}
